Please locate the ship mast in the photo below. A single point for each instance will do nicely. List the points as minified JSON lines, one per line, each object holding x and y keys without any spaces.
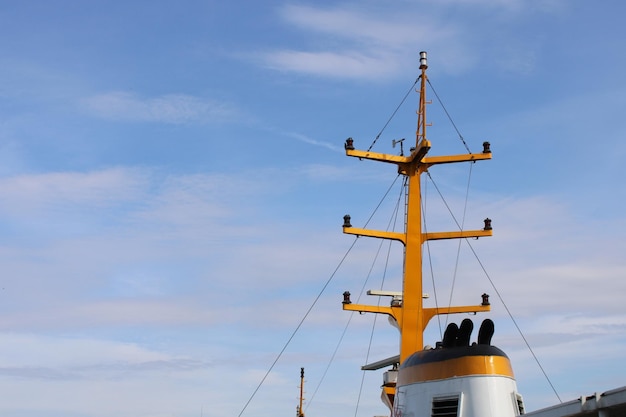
{"x":411,"y":315}
{"x":299,"y":409}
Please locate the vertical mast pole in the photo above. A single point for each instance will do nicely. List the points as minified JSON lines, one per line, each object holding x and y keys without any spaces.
{"x":421,"y":112}
{"x":412,"y":336}
{"x":300,"y":410}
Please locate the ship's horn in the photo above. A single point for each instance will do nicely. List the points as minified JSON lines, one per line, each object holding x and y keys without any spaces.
{"x":465,"y":331}
{"x":449,"y":336}
{"x":485,"y":333}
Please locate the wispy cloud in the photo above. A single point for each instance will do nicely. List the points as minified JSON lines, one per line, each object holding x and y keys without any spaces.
{"x":362,"y":26}
{"x":97,"y":188}
{"x":373,"y":44}
{"x":30,"y":356}
{"x":349,"y":64}
{"x":118,"y":241}
{"x":315,"y":142}
{"x":364,"y":42}
{"x":361,"y":43}
{"x":507,"y":5}
{"x":171,"y":108}
{"x":70,"y":351}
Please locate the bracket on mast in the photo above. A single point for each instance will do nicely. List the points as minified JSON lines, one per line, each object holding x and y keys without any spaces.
{"x":400,"y":141}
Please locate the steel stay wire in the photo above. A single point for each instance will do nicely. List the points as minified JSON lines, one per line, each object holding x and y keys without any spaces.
{"x":306,"y":314}
{"x":394,"y":218}
{"x":472,"y":248}
{"x":430,"y":264}
{"x":458,"y":250}
{"x":510,"y":314}
{"x":462,"y":222}
{"x":448,"y":114}
{"x":358,"y":298}
{"x":296,"y":329}
{"x":394,"y":113}
{"x":475,"y":254}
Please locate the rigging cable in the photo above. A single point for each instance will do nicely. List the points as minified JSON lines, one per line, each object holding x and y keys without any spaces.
{"x":493,"y":285}
{"x":297,"y":328}
{"x":476,"y":255}
{"x":514,"y":321}
{"x":458,"y":250}
{"x":462,"y":222}
{"x":394,"y":113}
{"x":390,"y":226}
{"x":332,"y":358}
{"x":306,"y":314}
{"x":448,"y":114}
{"x":430,"y":265}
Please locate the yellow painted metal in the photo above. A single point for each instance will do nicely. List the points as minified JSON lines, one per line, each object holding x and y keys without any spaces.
{"x":411,"y":329}
{"x":363,"y":308}
{"x":464,"y":366}
{"x":411,"y":316}
{"x":381,"y":157}
{"x":425,"y":236}
{"x":431,"y":312}
{"x":457,"y":235}
{"x":417,"y":154}
{"x":432,"y":160}
{"x":428,"y":313}
{"x":387,"y":395}
{"x":375,"y":233}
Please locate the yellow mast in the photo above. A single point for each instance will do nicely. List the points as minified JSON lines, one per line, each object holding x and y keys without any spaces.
{"x":410,"y":314}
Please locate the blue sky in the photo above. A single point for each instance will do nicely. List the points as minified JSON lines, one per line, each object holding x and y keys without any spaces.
{"x":173,"y":184}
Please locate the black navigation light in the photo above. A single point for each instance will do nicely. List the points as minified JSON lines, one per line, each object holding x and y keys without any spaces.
{"x":485,"y":299}
{"x":346,"y":221}
{"x":346,"y":298}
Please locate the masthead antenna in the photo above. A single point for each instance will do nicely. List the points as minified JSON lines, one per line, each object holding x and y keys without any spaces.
{"x":423,"y":60}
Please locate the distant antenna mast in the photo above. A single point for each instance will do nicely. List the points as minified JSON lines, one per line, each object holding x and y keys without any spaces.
{"x":299,"y":409}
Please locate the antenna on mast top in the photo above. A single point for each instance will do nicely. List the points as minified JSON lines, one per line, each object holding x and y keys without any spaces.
{"x":421,"y":111}
{"x":423,"y":60}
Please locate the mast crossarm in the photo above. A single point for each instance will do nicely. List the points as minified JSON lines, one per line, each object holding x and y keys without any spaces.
{"x":363,"y":308}
{"x":416,"y":155}
{"x":456,"y":235}
{"x":433,"y":160}
{"x":375,"y":156}
{"x":375,"y":233}
{"x":429,"y":313}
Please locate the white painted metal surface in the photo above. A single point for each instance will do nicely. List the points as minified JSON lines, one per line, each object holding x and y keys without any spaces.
{"x":479,"y":396}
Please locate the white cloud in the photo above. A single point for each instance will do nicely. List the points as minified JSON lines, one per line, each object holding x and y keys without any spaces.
{"x":365,"y":44}
{"x":365,"y":27}
{"x":364,"y":41}
{"x":171,"y":264}
{"x":116,"y":312}
{"x":39,"y":192}
{"x":347,"y":64}
{"x":35,"y":350}
{"x":145,"y":293}
{"x":171,"y":108}
{"x":145,"y":243}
